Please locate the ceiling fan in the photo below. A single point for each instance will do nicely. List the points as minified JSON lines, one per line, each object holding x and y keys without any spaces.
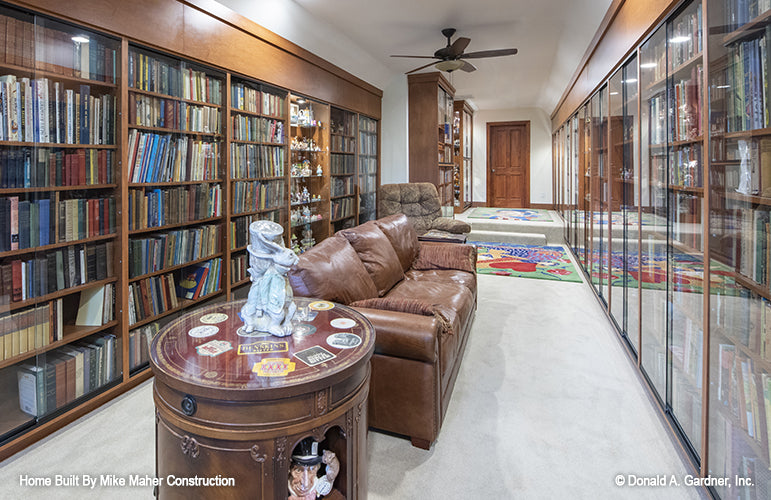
{"x":452,"y":56}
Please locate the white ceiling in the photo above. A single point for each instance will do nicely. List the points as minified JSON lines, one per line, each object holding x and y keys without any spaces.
{"x":359,"y":36}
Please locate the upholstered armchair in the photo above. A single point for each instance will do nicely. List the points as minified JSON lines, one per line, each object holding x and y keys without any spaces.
{"x":419,"y":201}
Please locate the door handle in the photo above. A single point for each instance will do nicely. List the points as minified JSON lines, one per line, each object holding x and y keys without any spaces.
{"x":493,"y":170}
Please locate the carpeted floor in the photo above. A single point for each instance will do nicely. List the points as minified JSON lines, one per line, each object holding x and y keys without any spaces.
{"x":618,"y":218}
{"x":518,"y":214}
{"x":525,"y":261}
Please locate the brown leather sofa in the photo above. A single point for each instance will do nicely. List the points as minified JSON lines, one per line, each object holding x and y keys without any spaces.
{"x":421,"y":299}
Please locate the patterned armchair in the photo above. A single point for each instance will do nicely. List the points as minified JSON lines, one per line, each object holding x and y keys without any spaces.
{"x":419,"y":201}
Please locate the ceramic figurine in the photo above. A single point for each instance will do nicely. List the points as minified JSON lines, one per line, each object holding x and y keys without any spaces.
{"x":269,"y":306}
{"x":319,"y":170}
{"x":303,"y":482}
{"x":306,"y":196}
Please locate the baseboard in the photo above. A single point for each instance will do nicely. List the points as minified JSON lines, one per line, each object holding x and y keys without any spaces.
{"x":542,"y":206}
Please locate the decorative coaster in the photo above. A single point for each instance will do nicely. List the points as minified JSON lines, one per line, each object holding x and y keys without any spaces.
{"x":204,"y":331}
{"x":344,"y":340}
{"x":343,"y":323}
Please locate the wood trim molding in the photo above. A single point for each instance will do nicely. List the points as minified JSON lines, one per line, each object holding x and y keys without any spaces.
{"x":489,"y":125}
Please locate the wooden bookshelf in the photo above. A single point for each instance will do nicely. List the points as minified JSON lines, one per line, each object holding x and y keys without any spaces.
{"x":463,"y":141}
{"x":143,"y":83}
{"x":430,"y":129}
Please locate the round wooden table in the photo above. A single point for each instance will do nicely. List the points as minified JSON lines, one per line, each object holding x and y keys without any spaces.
{"x":230,"y":408}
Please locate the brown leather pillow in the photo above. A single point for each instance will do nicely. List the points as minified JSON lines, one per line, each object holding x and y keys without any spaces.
{"x":332,"y":271}
{"x":377,"y":255}
{"x":403,"y":237}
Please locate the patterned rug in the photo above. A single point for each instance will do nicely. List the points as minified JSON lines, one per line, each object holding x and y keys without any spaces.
{"x":651,"y":270}
{"x":525,"y":261}
{"x":618,"y":219}
{"x":520,"y":214}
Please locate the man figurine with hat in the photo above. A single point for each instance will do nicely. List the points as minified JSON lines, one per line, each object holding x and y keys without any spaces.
{"x":306,"y":462}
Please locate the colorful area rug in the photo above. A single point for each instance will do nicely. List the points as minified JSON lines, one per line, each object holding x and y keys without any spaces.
{"x":520,"y":214}
{"x":525,"y":261}
{"x":618,"y":219}
{"x":687,"y":273}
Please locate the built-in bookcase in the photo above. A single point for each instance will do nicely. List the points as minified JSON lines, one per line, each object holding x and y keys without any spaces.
{"x":175,"y":172}
{"x":59,"y":237}
{"x":462,"y":137}
{"x":342,"y":169}
{"x":258,"y":165}
{"x":128,"y":177}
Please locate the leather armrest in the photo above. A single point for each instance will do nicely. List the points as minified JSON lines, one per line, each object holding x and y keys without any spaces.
{"x":461,"y":257}
{"x":454,"y":226}
{"x":404,"y":335}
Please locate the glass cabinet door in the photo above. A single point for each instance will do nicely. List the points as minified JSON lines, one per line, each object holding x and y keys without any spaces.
{"x":685,"y":191}
{"x":739,"y":262}
{"x":653,"y":251}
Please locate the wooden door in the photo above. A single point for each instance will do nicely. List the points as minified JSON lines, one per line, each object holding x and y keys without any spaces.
{"x":508,"y":164}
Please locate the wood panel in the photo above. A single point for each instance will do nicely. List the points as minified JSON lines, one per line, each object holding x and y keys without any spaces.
{"x":632,"y":21}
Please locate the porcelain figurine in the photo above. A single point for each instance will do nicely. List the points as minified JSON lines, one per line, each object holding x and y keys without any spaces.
{"x":269,"y":306}
{"x":319,"y":170}
{"x":303,"y":481}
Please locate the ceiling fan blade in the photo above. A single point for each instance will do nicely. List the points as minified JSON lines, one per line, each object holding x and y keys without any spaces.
{"x":458,"y":46}
{"x":488,"y":53}
{"x":417,"y":69}
{"x":468,"y":67}
{"x":418,"y":57}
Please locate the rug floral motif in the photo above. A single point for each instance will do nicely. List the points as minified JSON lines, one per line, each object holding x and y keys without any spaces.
{"x":617,"y":218}
{"x":651,"y":269}
{"x":525,"y":261}
{"x":519,"y":214}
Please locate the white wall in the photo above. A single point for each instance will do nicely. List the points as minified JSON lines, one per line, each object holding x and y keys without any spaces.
{"x":540,"y":150}
{"x":394,"y":159}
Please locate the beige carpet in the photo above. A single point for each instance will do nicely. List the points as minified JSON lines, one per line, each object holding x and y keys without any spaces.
{"x":547,"y":406}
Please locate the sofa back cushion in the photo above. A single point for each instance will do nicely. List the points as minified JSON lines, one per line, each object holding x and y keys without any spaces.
{"x":402,"y":236}
{"x":377,"y":255}
{"x":332,"y":271}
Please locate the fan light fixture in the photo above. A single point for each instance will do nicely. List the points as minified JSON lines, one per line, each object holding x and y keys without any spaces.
{"x":80,"y":39}
{"x":449,"y":65}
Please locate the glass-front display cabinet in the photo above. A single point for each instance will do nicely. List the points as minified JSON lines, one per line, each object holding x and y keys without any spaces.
{"x":309,"y":172}
{"x":368,"y":168}
{"x":739,"y":184}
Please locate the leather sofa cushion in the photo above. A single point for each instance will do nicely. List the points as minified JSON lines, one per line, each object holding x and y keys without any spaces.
{"x":403,"y":237}
{"x":445,"y":276}
{"x":377,"y":255}
{"x":404,"y":335}
{"x":446,"y":256}
{"x":332,"y":271}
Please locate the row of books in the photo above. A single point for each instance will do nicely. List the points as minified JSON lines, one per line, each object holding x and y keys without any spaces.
{"x":367,"y":144}
{"x":249,"y":196}
{"x":685,"y":40}
{"x":744,"y":318}
{"x":342,"y":186}
{"x":746,"y":90}
{"x":749,"y":247}
{"x":368,"y":183}
{"x":151,"y":296}
{"x":250,"y":161}
{"x":368,"y":165}
{"x":156,"y":158}
{"x":148,"y":255}
{"x":741,"y":12}
{"x":199,"y":280}
{"x":344,"y":207}
{"x":30,"y":329}
{"x":239,"y":226}
{"x":165,"y":76}
{"x":745,"y":392}
{"x":97,"y":305}
{"x":367,"y":125}
{"x":658,"y":119}
{"x":140,"y":340}
{"x":732,"y":456}
{"x":54,"y":50}
{"x":55,"y":270}
{"x":686,"y":166}
{"x":41,"y":110}
{"x":68,"y":373}
{"x":246,"y":98}
{"x":754,"y":166}
{"x":39,"y":222}
{"x":44,"y":167}
{"x":258,"y":129}
{"x":342,"y":123}
{"x":342,"y":164}
{"x":178,"y":205}
{"x":342,"y":143}
{"x":686,"y":223}
{"x":150,"y":111}
{"x":239,"y":264}
{"x":687,"y":94}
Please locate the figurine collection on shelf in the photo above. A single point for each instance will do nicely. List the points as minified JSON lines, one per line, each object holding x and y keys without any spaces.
{"x":304,"y":169}
{"x":304,"y":144}
{"x":304,"y":196}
